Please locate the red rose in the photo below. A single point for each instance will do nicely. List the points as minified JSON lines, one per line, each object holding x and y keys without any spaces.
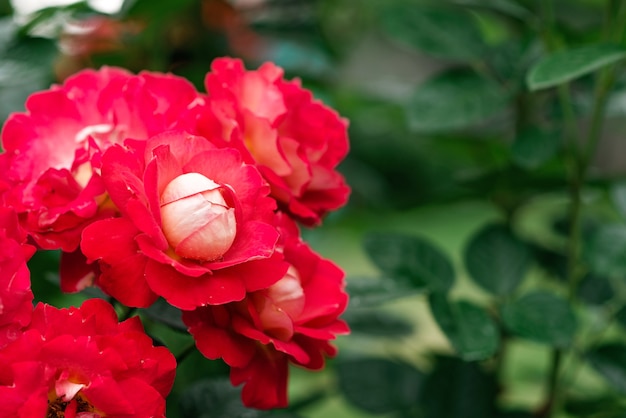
{"x":196,"y":225}
{"x":50,"y":165}
{"x":80,"y":362}
{"x":296,"y":141}
{"x":291,"y":321}
{"x":16,"y":297}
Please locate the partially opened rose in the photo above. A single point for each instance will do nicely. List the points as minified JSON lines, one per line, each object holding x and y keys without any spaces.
{"x":50,"y":166}
{"x":16,"y":297}
{"x":292,"y":321}
{"x":296,"y":141}
{"x":80,"y":362}
{"x":196,"y":225}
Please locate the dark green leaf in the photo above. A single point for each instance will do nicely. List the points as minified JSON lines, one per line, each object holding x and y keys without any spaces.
{"x":497,"y":260}
{"x":610,"y":361}
{"x":442,"y":32}
{"x":605,"y":250}
{"x":471,"y":331}
{"x":618,"y":195}
{"x":412,"y":258}
{"x":377,"y":323}
{"x":610,"y":406}
{"x":541,"y":317}
{"x":454,"y":100}
{"x":214,"y":398}
{"x":563,"y":66}
{"x":506,"y":7}
{"x":367,"y":291}
{"x":457,"y":389}
{"x":533,"y":147}
{"x":595,"y":290}
{"x":620,"y":316}
{"x":379,"y":385}
{"x":163,"y":312}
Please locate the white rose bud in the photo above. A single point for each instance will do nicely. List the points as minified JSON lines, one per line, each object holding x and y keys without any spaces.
{"x":196,"y":220}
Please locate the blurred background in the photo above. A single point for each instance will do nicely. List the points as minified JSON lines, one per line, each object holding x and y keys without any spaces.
{"x":444,"y":138}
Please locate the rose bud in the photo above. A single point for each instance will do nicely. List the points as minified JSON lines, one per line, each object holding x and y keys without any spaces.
{"x":196,"y":220}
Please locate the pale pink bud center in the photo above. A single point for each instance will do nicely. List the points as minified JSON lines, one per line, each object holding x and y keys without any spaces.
{"x":196,"y":220}
{"x":283,"y":305}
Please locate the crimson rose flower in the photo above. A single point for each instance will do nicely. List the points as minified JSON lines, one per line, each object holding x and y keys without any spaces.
{"x":51,"y":160}
{"x":291,"y":321}
{"x":80,"y":362}
{"x":196,"y":225}
{"x":16,"y":297}
{"x":296,"y":141}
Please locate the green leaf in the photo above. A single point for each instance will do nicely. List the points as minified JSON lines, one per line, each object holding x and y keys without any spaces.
{"x":443,"y":32}
{"x":506,"y":7}
{"x":372,"y":291}
{"x":610,"y":361}
{"x":214,"y":398}
{"x":379,"y":385}
{"x":595,"y":290}
{"x":563,"y":66}
{"x":471,"y":331}
{"x":618,"y":196}
{"x":605,"y":250}
{"x":454,"y":100}
{"x":458,"y":389}
{"x":412,"y":258}
{"x":497,"y":260}
{"x":533,"y":147}
{"x":163,"y":312}
{"x":542,"y":317}
{"x":377,"y":323}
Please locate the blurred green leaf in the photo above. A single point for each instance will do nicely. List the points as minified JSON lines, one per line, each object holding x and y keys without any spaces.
{"x":163,"y":312}
{"x":618,"y":196}
{"x":377,"y":323}
{"x":506,"y":7}
{"x":563,"y":66}
{"x":453,"y":100}
{"x":595,"y":290}
{"x":471,"y":331}
{"x":610,"y":361}
{"x":620,"y":316}
{"x":444,"y":32}
{"x":605,"y":250}
{"x":379,"y":385}
{"x":214,"y":398}
{"x":533,"y":147}
{"x":541,"y":316}
{"x":610,"y":406}
{"x":25,"y":66}
{"x":497,"y":260}
{"x":371,"y":291}
{"x":458,"y":389}
{"x":413,"y":258}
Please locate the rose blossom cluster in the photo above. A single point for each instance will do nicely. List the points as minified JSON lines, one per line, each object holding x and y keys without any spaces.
{"x":152,"y":190}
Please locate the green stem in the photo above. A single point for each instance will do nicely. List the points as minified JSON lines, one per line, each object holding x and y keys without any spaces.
{"x":185,"y":352}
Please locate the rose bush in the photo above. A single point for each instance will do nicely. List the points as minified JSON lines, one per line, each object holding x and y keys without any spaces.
{"x":80,"y":362}
{"x":292,"y":321}
{"x":196,"y":225}
{"x":296,"y":141}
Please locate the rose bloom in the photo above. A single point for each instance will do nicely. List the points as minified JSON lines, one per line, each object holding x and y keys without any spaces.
{"x":16,"y":297}
{"x":80,"y":362}
{"x":290,"y":322}
{"x":296,"y":141}
{"x":50,"y":167}
{"x":196,"y":225}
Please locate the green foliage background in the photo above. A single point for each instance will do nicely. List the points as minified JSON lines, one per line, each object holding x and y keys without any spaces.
{"x":485,"y":239}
